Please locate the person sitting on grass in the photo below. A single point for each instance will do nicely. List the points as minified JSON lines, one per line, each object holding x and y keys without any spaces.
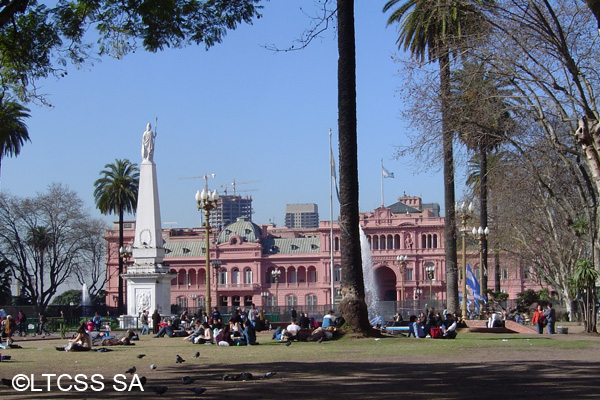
{"x":125,"y":340}
{"x":207,"y":335}
{"x":166,"y":330}
{"x":292,"y":330}
{"x":82,"y":342}
{"x":224,"y":337}
{"x":449,"y":327}
{"x":414,"y":328}
{"x":198,"y":331}
{"x":328,"y":319}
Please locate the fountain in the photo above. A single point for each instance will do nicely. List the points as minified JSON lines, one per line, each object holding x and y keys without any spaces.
{"x":86,"y":303}
{"x":371,"y":286}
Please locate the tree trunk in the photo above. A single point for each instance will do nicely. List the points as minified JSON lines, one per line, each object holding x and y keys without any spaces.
{"x":120,"y":297}
{"x":497,"y":270}
{"x":483,"y":217}
{"x":449,"y":196}
{"x":352,"y":307}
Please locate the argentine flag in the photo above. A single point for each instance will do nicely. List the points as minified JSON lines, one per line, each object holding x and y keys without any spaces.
{"x":474,"y":285}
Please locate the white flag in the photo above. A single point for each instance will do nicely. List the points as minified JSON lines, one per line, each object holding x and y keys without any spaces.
{"x":386,"y":173}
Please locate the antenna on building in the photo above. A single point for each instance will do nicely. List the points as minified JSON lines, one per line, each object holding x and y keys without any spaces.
{"x":170,"y":224}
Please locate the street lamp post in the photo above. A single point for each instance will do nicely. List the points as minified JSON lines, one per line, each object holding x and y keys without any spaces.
{"x":430,"y":269}
{"x":265,"y":296}
{"x":217,"y":267}
{"x":481,"y":234}
{"x":276,"y":274}
{"x":207,"y":201}
{"x":465,"y":213}
{"x":417,"y":293}
{"x":125,"y":255}
{"x":402,"y":260}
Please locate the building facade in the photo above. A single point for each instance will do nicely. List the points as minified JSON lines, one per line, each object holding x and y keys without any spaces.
{"x":248,"y":253}
{"x":230,"y":208}
{"x":302,"y":215}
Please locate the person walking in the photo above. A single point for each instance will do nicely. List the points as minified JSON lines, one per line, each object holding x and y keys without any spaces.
{"x":145,"y":323}
{"x":538,"y":319}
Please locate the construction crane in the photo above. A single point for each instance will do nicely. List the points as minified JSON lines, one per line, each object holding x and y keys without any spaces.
{"x":205,"y":177}
{"x":233,"y":183}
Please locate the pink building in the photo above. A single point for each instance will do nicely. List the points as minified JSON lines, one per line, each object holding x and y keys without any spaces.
{"x":248,"y":253}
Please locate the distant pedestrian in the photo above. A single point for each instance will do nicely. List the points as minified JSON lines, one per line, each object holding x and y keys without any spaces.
{"x":155,"y":321}
{"x":538,"y":319}
{"x":550,"y":318}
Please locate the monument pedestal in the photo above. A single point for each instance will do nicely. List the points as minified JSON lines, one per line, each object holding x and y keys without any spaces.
{"x":146,"y":291}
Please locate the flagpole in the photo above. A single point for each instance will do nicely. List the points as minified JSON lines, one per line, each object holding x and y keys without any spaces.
{"x":331,"y":166}
{"x":382,"y":182}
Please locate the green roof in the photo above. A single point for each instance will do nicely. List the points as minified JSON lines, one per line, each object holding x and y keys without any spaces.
{"x":242,"y":227}
{"x":185,"y":249}
{"x":291,"y":246}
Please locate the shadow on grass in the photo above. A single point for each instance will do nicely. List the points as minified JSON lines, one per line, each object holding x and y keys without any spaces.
{"x":303,"y":379}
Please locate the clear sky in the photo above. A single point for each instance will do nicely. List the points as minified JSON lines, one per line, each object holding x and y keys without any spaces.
{"x":238,"y":110}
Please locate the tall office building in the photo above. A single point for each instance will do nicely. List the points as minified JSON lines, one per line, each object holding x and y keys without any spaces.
{"x":229,"y":208}
{"x":302,"y":215}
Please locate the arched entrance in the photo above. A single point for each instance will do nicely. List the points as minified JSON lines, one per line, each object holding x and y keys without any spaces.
{"x":386,"y":280}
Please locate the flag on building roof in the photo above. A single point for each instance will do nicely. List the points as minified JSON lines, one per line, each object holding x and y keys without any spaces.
{"x":386,"y":173}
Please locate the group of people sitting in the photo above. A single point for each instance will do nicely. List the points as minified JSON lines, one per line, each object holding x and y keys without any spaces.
{"x":304,"y":329}
{"x":432,"y":325}
{"x":239,"y":330}
{"x":83,"y":341}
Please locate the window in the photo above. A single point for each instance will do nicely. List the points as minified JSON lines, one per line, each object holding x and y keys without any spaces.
{"x":312,"y":274}
{"x":223,"y":277}
{"x":375,"y":242}
{"x":292,"y":275}
{"x":390,"y":242}
{"x":291,"y":300}
{"x":247,"y":276}
{"x":526,"y":273}
{"x":247,"y":301}
{"x":504,"y":274}
{"x":182,"y":302}
{"x":223,"y":301}
{"x":337,"y":273}
{"x":396,"y":242}
{"x":409,"y":274}
{"x":435,"y":244}
{"x":336,"y":244}
{"x":235,"y":301}
{"x":235,"y":276}
{"x":311,"y":300}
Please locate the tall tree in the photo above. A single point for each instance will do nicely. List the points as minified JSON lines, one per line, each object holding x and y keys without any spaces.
{"x":39,"y":39}
{"x":482,"y":119}
{"x":436,"y":29}
{"x":41,"y":239}
{"x":353,"y":306}
{"x":116,"y":192}
{"x":13,"y":131}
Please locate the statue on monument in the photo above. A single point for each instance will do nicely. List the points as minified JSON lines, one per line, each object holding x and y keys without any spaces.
{"x":148,"y":144}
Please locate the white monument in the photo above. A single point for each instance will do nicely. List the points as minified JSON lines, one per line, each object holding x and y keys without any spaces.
{"x":148,"y":280}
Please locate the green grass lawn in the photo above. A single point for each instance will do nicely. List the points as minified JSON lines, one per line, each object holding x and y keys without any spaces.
{"x":367,"y":365}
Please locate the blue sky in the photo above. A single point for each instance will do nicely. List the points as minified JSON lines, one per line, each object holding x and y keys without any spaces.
{"x":238,"y":110}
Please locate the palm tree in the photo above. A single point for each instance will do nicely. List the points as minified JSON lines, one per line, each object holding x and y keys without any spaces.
{"x":481,"y":116}
{"x":352,"y":306}
{"x":116,"y":192}
{"x":436,"y":29}
{"x":40,"y":239}
{"x":13,"y":131}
